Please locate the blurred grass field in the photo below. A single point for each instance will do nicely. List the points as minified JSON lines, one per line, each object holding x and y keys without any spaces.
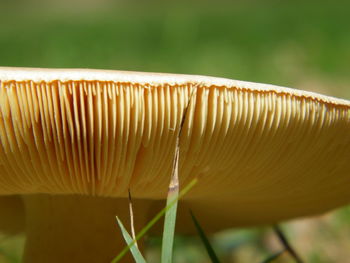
{"x":299,"y":44}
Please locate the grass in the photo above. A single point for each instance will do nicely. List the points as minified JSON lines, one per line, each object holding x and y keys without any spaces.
{"x":209,"y":248}
{"x":131,"y":245}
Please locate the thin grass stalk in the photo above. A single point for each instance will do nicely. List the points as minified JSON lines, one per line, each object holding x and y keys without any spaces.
{"x":205,"y":240}
{"x":283,"y":239}
{"x":136,"y":253}
{"x":132,"y":226}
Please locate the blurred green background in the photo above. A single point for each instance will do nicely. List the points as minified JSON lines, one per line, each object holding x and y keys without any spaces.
{"x":301,"y":44}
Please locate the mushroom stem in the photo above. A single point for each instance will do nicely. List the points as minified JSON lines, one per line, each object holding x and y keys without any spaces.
{"x":13,"y":220}
{"x":72,"y":228}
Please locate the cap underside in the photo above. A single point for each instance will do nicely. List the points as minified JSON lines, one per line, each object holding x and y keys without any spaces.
{"x":254,"y":150}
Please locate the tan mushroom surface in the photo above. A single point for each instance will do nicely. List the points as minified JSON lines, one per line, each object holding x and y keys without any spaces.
{"x":73,"y":141}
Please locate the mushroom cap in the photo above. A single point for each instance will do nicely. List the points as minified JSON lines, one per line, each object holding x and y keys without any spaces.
{"x":262,"y":153}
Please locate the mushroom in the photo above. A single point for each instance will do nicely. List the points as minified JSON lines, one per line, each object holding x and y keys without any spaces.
{"x":74,"y":141}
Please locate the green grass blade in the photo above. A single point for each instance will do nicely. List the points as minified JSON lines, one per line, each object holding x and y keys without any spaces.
{"x":132,"y":245}
{"x":170,"y":215}
{"x":205,"y":240}
{"x":169,"y":230}
{"x":155,"y":220}
{"x":273,"y":257}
